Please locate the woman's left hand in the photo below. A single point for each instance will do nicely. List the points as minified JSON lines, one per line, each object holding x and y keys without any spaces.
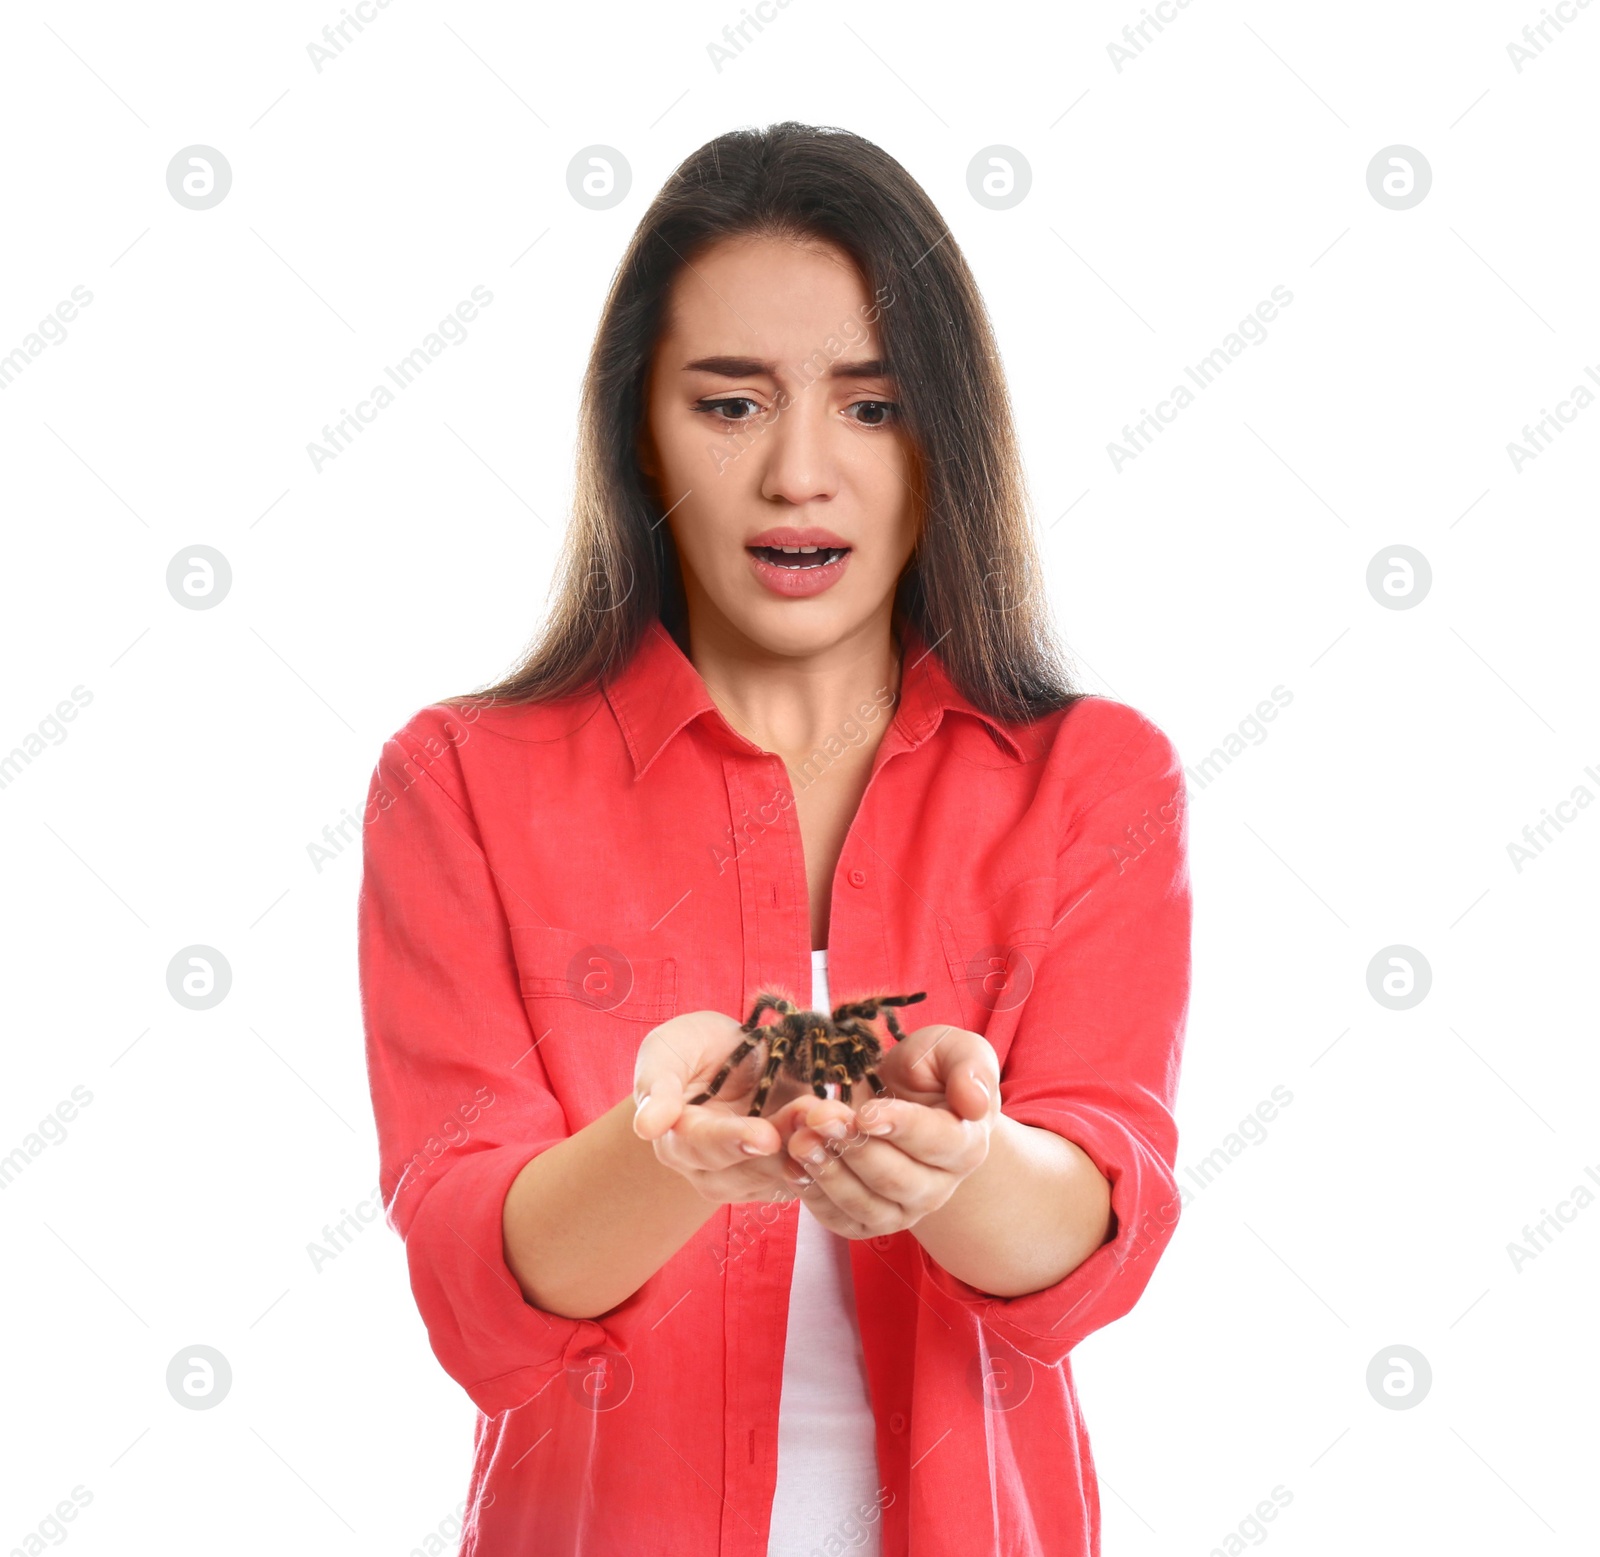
{"x":882,"y":1167}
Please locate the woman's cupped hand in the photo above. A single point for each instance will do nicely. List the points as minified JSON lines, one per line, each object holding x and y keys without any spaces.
{"x":727,"y":1154}
{"x":864,"y":1171}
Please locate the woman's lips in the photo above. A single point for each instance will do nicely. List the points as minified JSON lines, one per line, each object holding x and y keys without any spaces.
{"x":804,"y":574}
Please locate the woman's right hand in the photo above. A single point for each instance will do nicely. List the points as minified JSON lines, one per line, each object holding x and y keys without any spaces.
{"x":727,"y":1155}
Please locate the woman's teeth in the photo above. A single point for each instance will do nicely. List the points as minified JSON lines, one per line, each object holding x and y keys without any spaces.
{"x":799,"y":556}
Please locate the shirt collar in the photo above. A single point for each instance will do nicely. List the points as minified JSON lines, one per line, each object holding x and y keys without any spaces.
{"x":659,"y":693}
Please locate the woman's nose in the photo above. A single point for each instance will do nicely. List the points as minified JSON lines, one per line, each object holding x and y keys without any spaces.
{"x":799,"y":465}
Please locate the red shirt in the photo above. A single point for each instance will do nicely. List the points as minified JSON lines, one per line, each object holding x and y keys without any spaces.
{"x":545,"y":883}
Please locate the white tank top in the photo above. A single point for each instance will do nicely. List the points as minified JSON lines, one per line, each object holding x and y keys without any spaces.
{"x":827,"y":1447}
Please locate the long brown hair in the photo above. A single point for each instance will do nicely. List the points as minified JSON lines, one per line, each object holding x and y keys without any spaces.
{"x":973,"y":586}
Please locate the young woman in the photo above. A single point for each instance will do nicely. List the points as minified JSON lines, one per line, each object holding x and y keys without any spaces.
{"x":795,"y":724}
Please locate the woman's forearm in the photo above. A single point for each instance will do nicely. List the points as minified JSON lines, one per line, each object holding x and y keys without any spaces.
{"x":588,"y":1221}
{"x":1030,"y":1214}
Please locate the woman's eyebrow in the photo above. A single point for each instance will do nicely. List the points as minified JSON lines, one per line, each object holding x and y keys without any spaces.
{"x":753,"y":367}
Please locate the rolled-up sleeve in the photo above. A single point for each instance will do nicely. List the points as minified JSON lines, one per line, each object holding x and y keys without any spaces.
{"x":460,"y":1097}
{"x":1096,"y":1053}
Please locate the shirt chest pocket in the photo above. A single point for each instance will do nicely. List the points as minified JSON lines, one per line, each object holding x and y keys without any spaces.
{"x":579,"y":976}
{"x":993,"y":953}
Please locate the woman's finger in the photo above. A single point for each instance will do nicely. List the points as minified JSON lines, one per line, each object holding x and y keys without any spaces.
{"x":894,"y":1175}
{"x":970,"y":1091}
{"x":658,"y":1106}
{"x":838,"y":1184}
{"x":756,"y":1179}
{"x":933,"y":1136}
{"x":670,"y":1059}
{"x":901,"y":1178}
{"x":707,"y":1139}
{"x":830,"y":1216}
{"x":773,"y":1178}
{"x":945,"y":1060}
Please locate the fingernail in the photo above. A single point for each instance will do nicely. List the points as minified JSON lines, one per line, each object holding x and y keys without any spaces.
{"x":983,"y":1086}
{"x":879,"y":1124}
{"x":816,"y":1157}
{"x":750,"y":1149}
{"x":835,"y":1128}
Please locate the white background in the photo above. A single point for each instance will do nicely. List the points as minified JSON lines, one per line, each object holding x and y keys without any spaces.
{"x":1168,"y":199}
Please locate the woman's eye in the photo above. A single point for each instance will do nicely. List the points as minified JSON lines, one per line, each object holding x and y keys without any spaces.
{"x":878,"y":412}
{"x":716,"y":408}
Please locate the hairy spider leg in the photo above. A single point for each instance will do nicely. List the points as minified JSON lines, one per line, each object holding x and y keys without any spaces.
{"x":752,"y":1027}
{"x":819,"y":1060}
{"x":841,"y":1069}
{"x":767,"y":1001}
{"x":780,"y":1040}
{"x":727,"y":1070}
{"x":868,"y":1009}
{"x":869,"y":1049}
{"x":888,"y":1002}
{"x":842,"y":1060}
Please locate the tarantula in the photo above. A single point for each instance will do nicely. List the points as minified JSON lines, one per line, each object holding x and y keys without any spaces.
{"x":812,"y":1045}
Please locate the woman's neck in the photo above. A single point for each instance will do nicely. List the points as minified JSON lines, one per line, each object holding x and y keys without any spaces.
{"x":792,"y":704}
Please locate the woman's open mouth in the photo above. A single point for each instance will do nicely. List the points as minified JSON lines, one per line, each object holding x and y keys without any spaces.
{"x":800,"y":556}
{"x":798,"y":571}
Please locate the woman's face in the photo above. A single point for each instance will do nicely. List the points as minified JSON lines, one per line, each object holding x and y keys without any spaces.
{"x":769,"y":424}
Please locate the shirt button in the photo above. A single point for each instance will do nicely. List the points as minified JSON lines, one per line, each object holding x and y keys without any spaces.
{"x":897,"y":1423}
{"x":858,"y":878}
